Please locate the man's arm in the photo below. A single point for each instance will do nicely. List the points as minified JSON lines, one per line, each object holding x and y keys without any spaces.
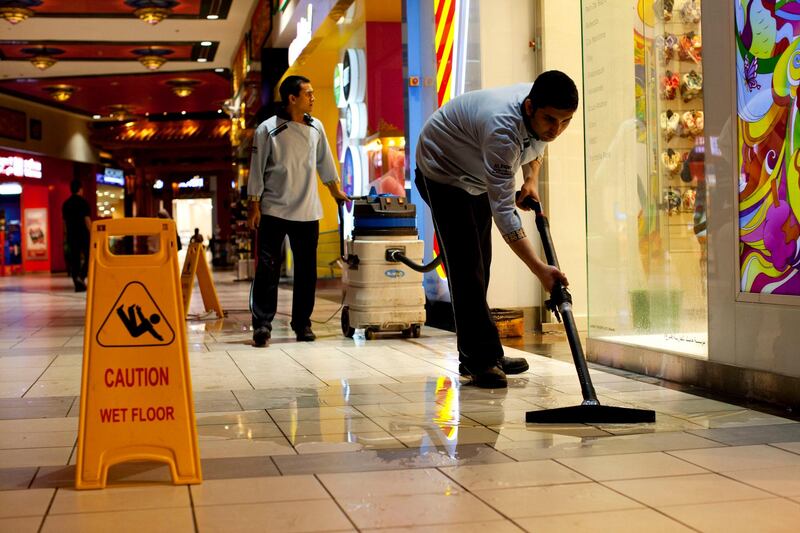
{"x":255,"y":181}
{"x":546,"y":273}
{"x":336,"y":191}
{"x":530,"y":188}
{"x":88,"y":222}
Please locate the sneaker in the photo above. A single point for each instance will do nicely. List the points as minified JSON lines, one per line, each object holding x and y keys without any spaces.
{"x":261,"y":336}
{"x":510,"y":365}
{"x":305,"y":334}
{"x":492,"y":377}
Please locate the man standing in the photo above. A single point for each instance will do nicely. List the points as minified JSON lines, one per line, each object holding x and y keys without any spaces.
{"x":288,"y":151}
{"x":76,"y":214}
{"x":468,"y":153}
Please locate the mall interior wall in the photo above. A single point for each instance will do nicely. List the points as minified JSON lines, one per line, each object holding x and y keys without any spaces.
{"x":64,"y":135}
{"x":511,"y":60}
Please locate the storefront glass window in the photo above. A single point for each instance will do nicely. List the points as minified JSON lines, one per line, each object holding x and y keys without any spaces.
{"x":645,"y":185}
{"x":110,"y":201}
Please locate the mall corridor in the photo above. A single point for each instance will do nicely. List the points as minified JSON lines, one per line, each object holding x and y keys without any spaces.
{"x":344,"y":435}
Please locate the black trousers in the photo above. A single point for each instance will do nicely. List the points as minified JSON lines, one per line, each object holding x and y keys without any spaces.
{"x":303,"y":236}
{"x":463,"y":224}
{"x":78,"y":259}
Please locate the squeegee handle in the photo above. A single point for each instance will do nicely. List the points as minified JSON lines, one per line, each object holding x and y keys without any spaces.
{"x":543,"y":225}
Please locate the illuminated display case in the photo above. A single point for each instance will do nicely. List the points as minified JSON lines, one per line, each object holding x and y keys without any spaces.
{"x":646,"y":191}
{"x":111,"y":193}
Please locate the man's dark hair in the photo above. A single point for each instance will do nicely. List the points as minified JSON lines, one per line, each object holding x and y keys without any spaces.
{"x":75,"y":186}
{"x":554,"y":89}
{"x":291,"y":85}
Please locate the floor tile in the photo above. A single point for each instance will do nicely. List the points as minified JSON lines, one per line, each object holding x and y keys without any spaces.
{"x":631,"y":466}
{"x":412,"y":510}
{"x":16,"y":478}
{"x":151,"y":520}
{"x":257,"y":489}
{"x":231,"y":418}
{"x":505,"y":526}
{"x":344,"y":442}
{"x":120,"y":499}
{"x":18,"y":503}
{"x":20,"y":525}
{"x":627,"y":521}
{"x":738,"y":457}
{"x":388,"y":483}
{"x":39,"y":439}
{"x":745,"y":435}
{"x":319,"y":413}
{"x":510,"y":475}
{"x":764,"y":516}
{"x":371,"y":460}
{"x":793,"y":447}
{"x":238,"y":467}
{"x":555,"y":499}
{"x":682,"y":490}
{"x":325,"y":427}
{"x":50,"y":407}
{"x":278,"y":517}
{"x":238,"y":431}
{"x":34,"y":457}
{"x":781,"y":481}
{"x":212,"y":449}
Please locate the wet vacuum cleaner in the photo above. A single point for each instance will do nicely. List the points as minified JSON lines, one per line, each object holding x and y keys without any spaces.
{"x":560,"y":303}
{"x":381,"y":278}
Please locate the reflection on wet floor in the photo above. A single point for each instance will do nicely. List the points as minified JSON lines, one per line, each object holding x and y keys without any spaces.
{"x":341,"y":434}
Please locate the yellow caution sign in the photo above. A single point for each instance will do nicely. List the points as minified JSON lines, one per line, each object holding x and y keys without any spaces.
{"x":195,"y":265}
{"x":136,"y":392}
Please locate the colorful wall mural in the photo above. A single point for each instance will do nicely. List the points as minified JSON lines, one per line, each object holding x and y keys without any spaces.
{"x":768,"y":76}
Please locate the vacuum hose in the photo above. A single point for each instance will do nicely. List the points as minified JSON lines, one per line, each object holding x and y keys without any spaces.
{"x":396,"y":255}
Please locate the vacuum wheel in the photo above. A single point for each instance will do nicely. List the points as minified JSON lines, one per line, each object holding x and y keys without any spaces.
{"x":412,"y":331}
{"x":347,"y":330}
{"x":370,"y":333}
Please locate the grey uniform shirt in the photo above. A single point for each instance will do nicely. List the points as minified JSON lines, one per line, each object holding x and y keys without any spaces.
{"x":477,"y":142}
{"x":286,"y":158}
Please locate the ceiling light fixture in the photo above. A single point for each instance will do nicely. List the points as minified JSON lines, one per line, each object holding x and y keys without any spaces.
{"x":212,"y":17}
{"x":60,"y":93}
{"x":152,"y":15}
{"x":152,"y":62}
{"x":42,"y":56}
{"x":119,"y":112}
{"x":206,"y":43}
{"x":43,"y":62}
{"x":182,"y":87}
{"x":15,"y":14}
{"x":152,"y":58}
{"x":152,"y":11}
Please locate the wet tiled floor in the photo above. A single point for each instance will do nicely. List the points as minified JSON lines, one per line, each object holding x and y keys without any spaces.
{"x":344,"y":435}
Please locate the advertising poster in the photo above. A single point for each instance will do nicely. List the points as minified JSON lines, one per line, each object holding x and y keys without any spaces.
{"x":768,"y":68}
{"x":35,"y":227}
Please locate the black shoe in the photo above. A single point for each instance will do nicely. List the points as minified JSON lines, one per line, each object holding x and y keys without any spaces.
{"x":488,"y":378}
{"x":305,"y":334}
{"x":80,"y":286}
{"x":261,"y":336}
{"x":510,"y":365}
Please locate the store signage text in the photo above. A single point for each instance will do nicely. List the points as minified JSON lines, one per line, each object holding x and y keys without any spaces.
{"x":21,"y":168}
{"x":195,"y":183}
{"x":302,"y":38}
{"x":112,"y":176}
